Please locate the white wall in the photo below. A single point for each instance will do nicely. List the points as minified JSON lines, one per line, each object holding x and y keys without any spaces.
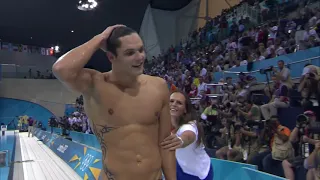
{"x":27,"y":59}
{"x":149,"y":35}
{"x":162,"y":28}
{"x":49,"y":93}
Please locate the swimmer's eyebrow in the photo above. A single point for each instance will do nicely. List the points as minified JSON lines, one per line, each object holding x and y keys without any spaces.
{"x":128,"y":50}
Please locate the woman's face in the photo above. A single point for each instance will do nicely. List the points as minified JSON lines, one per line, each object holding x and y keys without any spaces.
{"x":177,"y":105}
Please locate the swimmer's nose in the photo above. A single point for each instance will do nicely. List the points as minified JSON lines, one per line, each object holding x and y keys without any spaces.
{"x":142,"y":56}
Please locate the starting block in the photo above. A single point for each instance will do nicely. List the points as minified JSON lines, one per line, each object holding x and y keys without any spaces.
{"x":3,"y":130}
{"x":4,"y":158}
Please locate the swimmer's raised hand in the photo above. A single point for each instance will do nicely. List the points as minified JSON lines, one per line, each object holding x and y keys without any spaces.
{"x":69,"y":68}
{"x":105,"y":35}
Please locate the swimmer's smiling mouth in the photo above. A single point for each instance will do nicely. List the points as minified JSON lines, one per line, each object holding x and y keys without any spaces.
{"x":139,"y":65}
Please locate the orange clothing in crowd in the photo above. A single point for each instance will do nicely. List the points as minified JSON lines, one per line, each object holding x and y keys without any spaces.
{"x":173,"y":88}
{"x":286,"y":131}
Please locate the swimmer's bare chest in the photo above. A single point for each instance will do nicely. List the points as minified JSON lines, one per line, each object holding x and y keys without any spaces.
{"x":129,"y":116}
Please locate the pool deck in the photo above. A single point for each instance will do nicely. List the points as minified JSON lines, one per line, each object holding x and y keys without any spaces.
{"x":35,"y":161}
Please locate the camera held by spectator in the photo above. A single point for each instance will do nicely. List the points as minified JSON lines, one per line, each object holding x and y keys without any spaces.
{"x":266,"y":70}
{"x":302,"y":121}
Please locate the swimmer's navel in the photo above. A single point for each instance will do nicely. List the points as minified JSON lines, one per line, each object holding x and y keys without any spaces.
{"x":139,"y":159}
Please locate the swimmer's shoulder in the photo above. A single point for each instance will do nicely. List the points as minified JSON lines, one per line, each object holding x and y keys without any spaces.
{"x":158,"y":85}
{"x":157,"y":81}
{"x":101,"y":77}
{"x":98,"y":79}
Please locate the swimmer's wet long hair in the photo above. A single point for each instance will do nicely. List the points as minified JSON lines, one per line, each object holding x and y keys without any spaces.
{"x":189,"y":116}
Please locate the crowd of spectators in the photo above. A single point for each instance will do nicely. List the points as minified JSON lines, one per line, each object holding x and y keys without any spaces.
{"x":202,"y":54}
{"x":77,"y":121}
{"x":239,"y":125}
{"x":39,"y":75}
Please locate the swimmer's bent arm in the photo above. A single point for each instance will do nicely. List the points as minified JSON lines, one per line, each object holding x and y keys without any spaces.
{"x":167,"y":156}
{"x":69,"y":68}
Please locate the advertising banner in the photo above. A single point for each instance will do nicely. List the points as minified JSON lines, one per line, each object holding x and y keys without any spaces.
{"x":87,"y":162}
{"x":82,"y":159}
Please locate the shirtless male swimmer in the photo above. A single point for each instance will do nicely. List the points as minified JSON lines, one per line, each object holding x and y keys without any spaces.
{"x":129,"y":111}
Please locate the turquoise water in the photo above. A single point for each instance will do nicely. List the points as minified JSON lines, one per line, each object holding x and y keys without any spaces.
{"x":7,"y":142}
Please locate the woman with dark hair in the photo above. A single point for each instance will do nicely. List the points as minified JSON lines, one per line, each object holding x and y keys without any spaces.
{"x":193,"y":163}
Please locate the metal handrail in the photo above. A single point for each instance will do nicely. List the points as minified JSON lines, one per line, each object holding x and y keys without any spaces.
{"x":258,"y":83}
{"x":296,"y":62}
{"x":17,"y":65}
{"x":216,"y":84}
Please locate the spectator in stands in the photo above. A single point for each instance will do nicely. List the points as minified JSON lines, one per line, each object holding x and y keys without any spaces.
{"x":299,"y":136}
{"x":312,"y":163}
{"x":170,"y":83}
{"x":235,"y":152}
{"x":250,"y":144}
{"x":253,"y":111}
{"x":309,"y":85}
{"x":232,"y":149}
{"x":194,"y":91}
{"x":228,"y":90}
{"x":283,"y":75}
{"x":202,"y":87}
{"x":280,"y":100}
{"x":281,"y":147}
{"x":210,"y":113}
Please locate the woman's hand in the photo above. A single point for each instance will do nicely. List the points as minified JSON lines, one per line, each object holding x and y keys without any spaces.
{"x":172,"y":142}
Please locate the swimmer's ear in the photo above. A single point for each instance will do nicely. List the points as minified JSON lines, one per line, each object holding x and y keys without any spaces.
{"x":110,"y":56}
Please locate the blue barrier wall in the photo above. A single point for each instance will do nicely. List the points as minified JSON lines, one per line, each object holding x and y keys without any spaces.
{"x":296,"y":68}
{"x":233,"y":169}
{"x":228,"y":170}
{"x":86,"y":161}
{"x":253,"y":174}
{"x":87,"y":139}
{"x":10,"y":108}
